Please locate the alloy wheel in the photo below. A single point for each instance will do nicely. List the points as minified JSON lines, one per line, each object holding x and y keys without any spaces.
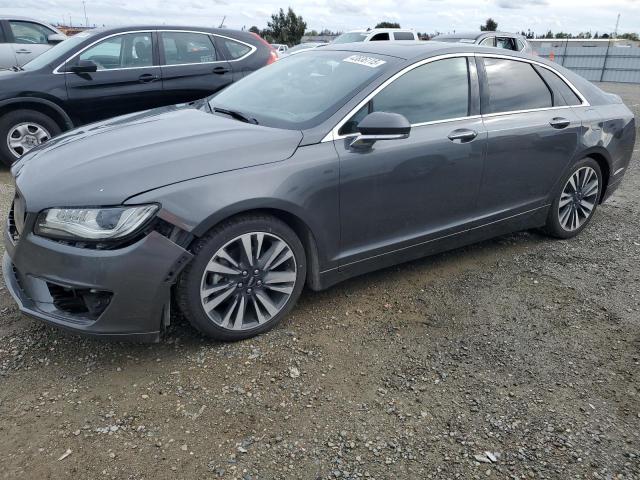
{"x":578,"y":198}
{"x":25,"y":136}
{"x":248,"y":281}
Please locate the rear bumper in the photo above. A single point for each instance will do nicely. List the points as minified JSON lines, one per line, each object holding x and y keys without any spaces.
{"x":136,"y":279}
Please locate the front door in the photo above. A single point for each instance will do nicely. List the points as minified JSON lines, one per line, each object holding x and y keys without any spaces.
{"x":532,"y":136}
{"x":127,"y":80}
{"x":192,"y":67}
{"x":401,"y":192}
{"x":30,"y":39}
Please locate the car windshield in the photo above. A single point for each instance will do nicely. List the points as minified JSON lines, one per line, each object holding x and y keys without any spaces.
{"x":301,"y":90}
{"x":351,"y":37}
{"x":58,"y":53}
{"x":303,"y":46}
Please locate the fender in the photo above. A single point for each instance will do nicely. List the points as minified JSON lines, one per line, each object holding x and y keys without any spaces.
{"x":68,"y":123}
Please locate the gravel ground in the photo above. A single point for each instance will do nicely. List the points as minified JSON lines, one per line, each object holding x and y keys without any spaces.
{"x":515,"y":358}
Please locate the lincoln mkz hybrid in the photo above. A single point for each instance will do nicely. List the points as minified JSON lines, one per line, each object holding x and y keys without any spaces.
{"x":324,"y":165}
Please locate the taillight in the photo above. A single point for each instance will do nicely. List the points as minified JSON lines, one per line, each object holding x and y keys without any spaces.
{"x":273,"y":55}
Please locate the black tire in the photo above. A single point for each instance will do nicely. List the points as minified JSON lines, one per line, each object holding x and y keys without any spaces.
{"x":554,"y":226}
{"x":15,"y":117}
{"x":188,"y":289}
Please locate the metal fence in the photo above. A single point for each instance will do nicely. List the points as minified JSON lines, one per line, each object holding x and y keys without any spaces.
{"x":598,"y":64}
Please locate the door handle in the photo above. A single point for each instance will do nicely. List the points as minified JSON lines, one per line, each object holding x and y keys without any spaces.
{"x":221,"y":70}
{"x":147,"y":78}
{"x":559,"y":122}
{"x":462,"y":135}
{"x":23,"y":51}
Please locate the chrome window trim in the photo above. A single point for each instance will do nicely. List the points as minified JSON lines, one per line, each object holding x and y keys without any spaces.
{"x":56,"y":71}
{"x":334,"y":135}
{"x":253,"y":48}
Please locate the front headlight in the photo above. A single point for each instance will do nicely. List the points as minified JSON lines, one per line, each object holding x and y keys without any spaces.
{"x":92,"y":223}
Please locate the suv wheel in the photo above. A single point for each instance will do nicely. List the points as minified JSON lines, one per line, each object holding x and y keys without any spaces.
{"x":246,"y":276}
{"x":22,"y":130}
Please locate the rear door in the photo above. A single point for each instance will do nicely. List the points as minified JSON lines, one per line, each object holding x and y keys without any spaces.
{"x":127,"y":80}
{"x":532,"y":136}
{"x":7,"y":54}
{"x":29,"y":39}
{"x":192,"y":66}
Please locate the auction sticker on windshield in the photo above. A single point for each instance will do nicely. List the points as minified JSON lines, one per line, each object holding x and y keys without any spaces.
{"x":364,"y":60}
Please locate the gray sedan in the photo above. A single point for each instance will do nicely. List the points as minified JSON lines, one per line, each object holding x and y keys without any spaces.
{"x":325,"y":165}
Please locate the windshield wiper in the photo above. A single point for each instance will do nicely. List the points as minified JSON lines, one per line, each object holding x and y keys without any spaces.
{"x":17,"y":68}
{"x":235,"y":114}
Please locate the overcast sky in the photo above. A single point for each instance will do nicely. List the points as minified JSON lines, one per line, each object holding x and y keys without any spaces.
{"x":423,"y":15}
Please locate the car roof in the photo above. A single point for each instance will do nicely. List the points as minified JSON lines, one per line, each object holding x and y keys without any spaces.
{"x":411,"y":49}
{"x":127,"y":28}
{"x":376,"y":30}
{"x":476,"y":35}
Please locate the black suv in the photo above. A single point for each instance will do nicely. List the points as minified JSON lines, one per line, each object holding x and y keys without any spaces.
{"x":103,"y":73}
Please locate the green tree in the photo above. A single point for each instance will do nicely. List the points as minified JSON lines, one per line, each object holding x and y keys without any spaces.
{"x":388,"y":25}
{"x":311,"y":33}
{"x":563,"y":35}
{"x":549,"y":34}
{"x":629,"y":36}
{"x":255,"y":30}
{"x":286,"y":27}
{"x":489,"y":26}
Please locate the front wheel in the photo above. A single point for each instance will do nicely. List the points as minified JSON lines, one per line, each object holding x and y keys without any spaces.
{"x":246,"y":276}
{"x":22,"y":130}
{"x":574,"y":205}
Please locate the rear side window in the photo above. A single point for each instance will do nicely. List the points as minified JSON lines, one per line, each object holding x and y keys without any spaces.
{"x":488,"y":42}
{"x":403,"y":36}
{"x":379,"y":36}
{"x":187,"y":48}
{"x":236,"y":49}
{"x":436,"y":91}
{"x":507,"y":43}
{"x":562,"y":93}
{"x":514,"y":86}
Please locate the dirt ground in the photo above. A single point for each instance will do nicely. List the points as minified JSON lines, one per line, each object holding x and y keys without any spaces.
{"x":515,"y":358}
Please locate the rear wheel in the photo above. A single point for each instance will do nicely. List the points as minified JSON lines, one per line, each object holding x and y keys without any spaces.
{"x":23,"y":130}
{"x":246,"y":276}
{"x":576,"y":202}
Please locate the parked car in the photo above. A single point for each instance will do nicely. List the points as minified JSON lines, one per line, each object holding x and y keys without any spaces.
{"x":303,"y":47}
{"x":23,"y":39}
{"x":377,"y":34}
{"x":98,"y":74}
{"x":280,"y":48}
{"x":325,"y":165}
{"x":508,"y":41}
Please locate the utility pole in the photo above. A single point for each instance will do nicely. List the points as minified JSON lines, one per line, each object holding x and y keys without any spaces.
{"x":615,"y":32}
{"x":86,"y":20}
{"x":222,"y":22}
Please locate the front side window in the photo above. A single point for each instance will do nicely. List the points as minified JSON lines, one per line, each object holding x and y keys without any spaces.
{"x":507,"y":43}
{"x":129,"y":50}
{"x":29,"y":32}
{"x":187,"y":47}
{"x":514,"y":86}
{"x":380,"y":37}
{"x":435,"y":91}
{"x":236,"y":49}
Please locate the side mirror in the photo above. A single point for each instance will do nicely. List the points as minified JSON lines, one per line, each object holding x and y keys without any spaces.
{"x":381,"y":126}
{"x":56,"y":38}
{"x":84,"y":66}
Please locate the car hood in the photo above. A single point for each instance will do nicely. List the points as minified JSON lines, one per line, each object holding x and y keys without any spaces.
{"x":105,"y":163}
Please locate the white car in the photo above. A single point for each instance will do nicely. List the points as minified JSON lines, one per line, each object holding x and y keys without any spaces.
{"x":23,"y":39}
{"x":508,"y":41}
{"x":280,"y":48}
{"x":378,"y":34}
